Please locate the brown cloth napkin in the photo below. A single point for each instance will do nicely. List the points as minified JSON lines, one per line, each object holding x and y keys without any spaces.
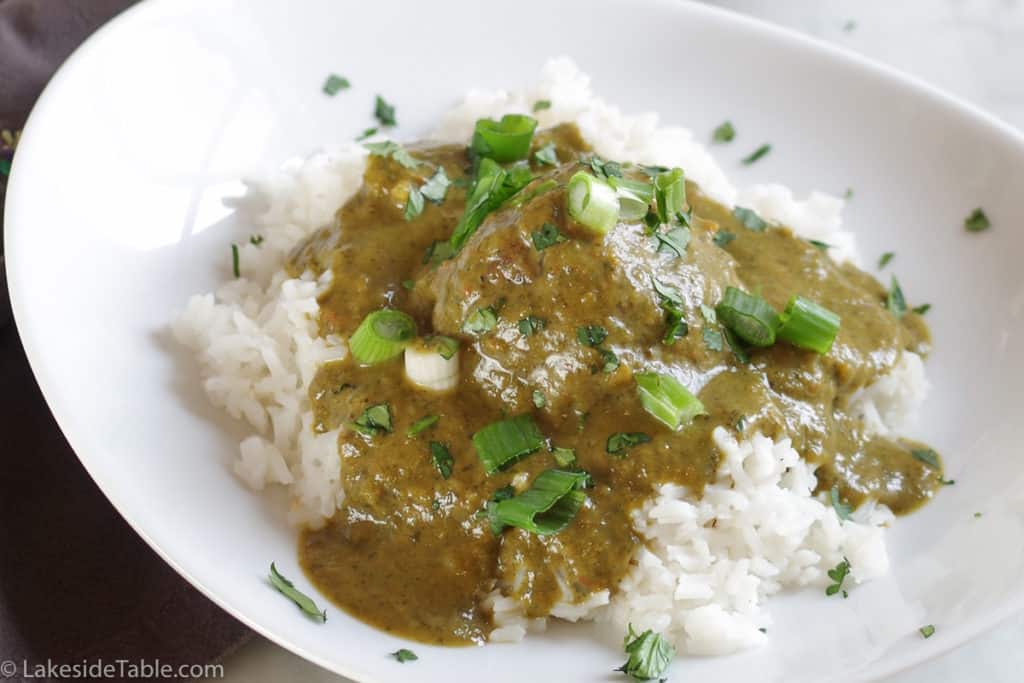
{"x":76,"y":583}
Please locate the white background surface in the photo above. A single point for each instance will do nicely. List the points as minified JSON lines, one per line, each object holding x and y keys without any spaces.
{"x":972,"y":48}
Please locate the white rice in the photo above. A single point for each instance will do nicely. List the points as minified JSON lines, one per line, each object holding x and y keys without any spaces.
{"x":709,"y":562}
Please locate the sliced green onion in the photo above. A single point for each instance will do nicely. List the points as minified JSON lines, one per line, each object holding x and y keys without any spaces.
{"x":620,"y":442}
{"x":547,"y":507}
{"x":442,"y":458}
{"x":664,"y":397}
{"x":565,"y":457}
{"x":807,"y":325}
{"x":423,"y":424}
{"x":670,"y":194}
{"x":750,"y":317}
{"x":547,"y":155}
{"x":593,"y":202}
{"x":288,"y":589}
{"x":433,"y":363}
{"x":641,"y":189}
{"x":381,"y":336}
{"x":375,"y":420}
{"x":631,"y":207}
{"x":505,"y":140}
{"x":500,"y":444}
{"x":491,"y":187}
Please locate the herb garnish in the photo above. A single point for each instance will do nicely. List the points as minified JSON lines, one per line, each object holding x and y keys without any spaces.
{"x":256,"y":240}
{"x":947,"y":482}
{"x":481,"y":321}
{"x":712,"y":338}
{"x":977,"y":221}
{"x":977,"y":515}
{"x":404,"y":655}
{"x":723,"y":237}
{"x":838,"y":574}
{"x":539,"y":400}
{"x":895,"y":301}
{"x":672,"y":303}
{"x":738,"y":347}
{"x":541,"y":105}
{"x":610,"y":360}
{"x":591,"y":335}
{"x":749,"y":218}
{"x":335,"y":84}
{"x":234,"y":261}
{"x":389,"y":148}
{"x":288,"y":589}
{"x":649,"y":655}
{"x":724,"y":132}
{"x":531,"y":324}
{"x":927,"y":456}
{"x":675,"y":240}
{"x":620,"y":442}
{"x":757,"y":154}
{"x":565,"y":457}
{"x":384,"y":112}
{"x":824,"y":246}
{"x":922,"y":309}
{"x":414,"y":204}
{"x":375,"y":420}
{"x":367,"y":133}
{"x":848,"y":194}
{"x":884,"y":260}
{"x":442,"y":458}
{"x":849,"y":25}
{"x":927,"y":630}
{"x":546,"y":236}
{"x":436,"y":186}
{"x":842,"y":509}
{"x":741,"y":424}
{"x":546,"y":155}
{"x":409,"y":285}
{"x":423,"y":424}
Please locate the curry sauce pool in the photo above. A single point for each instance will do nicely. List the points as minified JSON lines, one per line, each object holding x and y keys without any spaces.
{"x":410,"y":550}
{"x":494,"y":405}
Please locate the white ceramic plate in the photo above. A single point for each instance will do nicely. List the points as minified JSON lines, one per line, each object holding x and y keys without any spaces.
{"x":115,"y":217}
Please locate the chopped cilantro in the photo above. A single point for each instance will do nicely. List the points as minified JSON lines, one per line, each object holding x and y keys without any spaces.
{"x":620,"y":442}
{"x":375,"y":420}
{"x":894,"y":300}
{"x":922,"y":309}
{"x":394,"y":150}
{"x":749,"y":219}
{"x":541,"y":105}
{"x":481,"y":321}
{"x":436,"y":186}
{"x":335,"y":84}
{"x":539,"y":400}
{"x":838,"y":574}
{"x":367,"y":133}
{"x":565,"y":457}
{"x":927,"y":456}
{"x":256,"y":240}
{"x":423,"y":424}
{"x":675,"y":240}
{"x":824,"y":246}
{"x":884,"y":260}
{"x":610,"y":361}
{"x":724,"y":132}
{"x":842,"y":509}
{"x":649,"y":655}
{"x":977,"y":221}
{"x":546,"y":236}
{"x":404,"y":655}
{"x":442,"y":458}
{"x":414,"y":205}
{"x":384,"y":112}
{"x":234,"y":261}
{"x":591,"y":335}
{"x":723,"y":237}
{"x":531,"y":324}
{"x":927,"y":630}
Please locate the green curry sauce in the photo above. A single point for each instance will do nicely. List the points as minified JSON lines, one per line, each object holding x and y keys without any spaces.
{"x":409,"y":552}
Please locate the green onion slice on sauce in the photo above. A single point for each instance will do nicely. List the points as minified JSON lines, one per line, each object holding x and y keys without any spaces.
{"x":807,"y":325}
{"x":593,"y":202}
{"x":500,"y":444}
{"x":547,"y":507}
{"x":670,"y":194}
{"x":505,"y":140}
{"x":381,"y":336}
{"x":751,"y":318}
{"x":665,"y":398}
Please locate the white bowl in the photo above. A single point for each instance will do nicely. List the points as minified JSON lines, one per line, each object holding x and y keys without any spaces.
{"x":114,"y":218}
